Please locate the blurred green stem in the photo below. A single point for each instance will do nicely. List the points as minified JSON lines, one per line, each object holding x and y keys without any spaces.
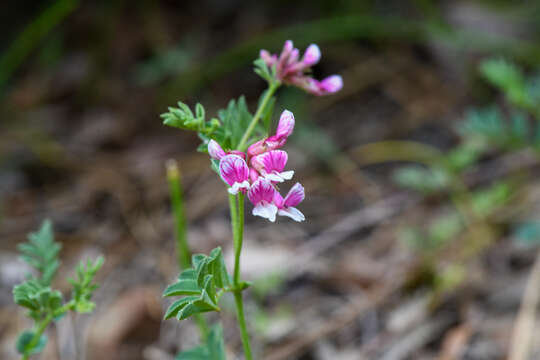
{"x":236,"y":204}
{"x":183,"y":254}
{"x":272,"y":87}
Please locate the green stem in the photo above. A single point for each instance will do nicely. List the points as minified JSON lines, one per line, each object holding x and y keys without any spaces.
{"x":236,"y":204}
{"x":37,"y":334}
{"x":272,"y":87}
{"x":183,"y":254}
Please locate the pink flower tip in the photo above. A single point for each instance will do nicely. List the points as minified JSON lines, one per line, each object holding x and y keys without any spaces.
{"x":215,"y":151}
{"x":312,"y":55}
{"x":331,"y":84}
{"x":285,"y":125}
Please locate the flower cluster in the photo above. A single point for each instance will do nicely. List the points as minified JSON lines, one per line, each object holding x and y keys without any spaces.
{"x":266,"y":169}
{"x":292,"y":70}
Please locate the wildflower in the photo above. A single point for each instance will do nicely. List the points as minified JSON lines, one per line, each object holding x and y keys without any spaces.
{"x":286,"y":206}
{"x":284,"y":130}
{"x":261,"y":194}
{"x":271,"y":165}
{"x":235,"y":172}
{"x":293,"y":71}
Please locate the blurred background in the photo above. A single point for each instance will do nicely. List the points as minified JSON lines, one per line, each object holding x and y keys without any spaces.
{"x":422,"y":228}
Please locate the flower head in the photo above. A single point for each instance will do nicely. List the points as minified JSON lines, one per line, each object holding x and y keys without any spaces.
{"x":271,"y":165}
{"x":266,"y":168}
{"x":261,"y":195}
{"x":290,"y":69}
{"x":235,"y":172}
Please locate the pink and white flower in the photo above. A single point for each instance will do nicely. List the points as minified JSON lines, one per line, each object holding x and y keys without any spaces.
{"x":235,"y":172}
{"x":261,"y":194}
{"x":291,"y":70}
{"x":267,"y":168}
{"x":287,"y":206}
{"x":271,"y":165}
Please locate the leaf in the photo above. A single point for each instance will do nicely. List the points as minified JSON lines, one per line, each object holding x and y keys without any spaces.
{"x":37,"y":298}
{"x":212,"y":349}
{"x":421,"y":179}
{"x":24,"y":346}
{"x":83,"y":285}
{"x":199,"y":284}
{"x":41,"y":252}
{"x":490,"y":125}
{"x":509,"y":78}
{"x":235,"y":120}
{"x":487,"y":201}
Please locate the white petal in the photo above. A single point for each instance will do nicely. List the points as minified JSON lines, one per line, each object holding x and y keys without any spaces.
{"x":273,"y":177}
{"x":265,"y":210}
{"x":293,"y":213}
{"x":238,"y":186}
{"x":287,"y":175}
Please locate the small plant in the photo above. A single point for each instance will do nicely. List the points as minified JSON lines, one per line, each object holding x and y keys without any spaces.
{"x":42,"y":302}
{"x":251,"y":163}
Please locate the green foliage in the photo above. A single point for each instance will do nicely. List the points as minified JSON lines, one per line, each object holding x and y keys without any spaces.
{"x":27,"y":345}
{"x":43,"y":303}
{"x":485,"y":202}
{"x":212,"y":349}
{"x":490,"y":125}
{"x":520,"y":91}
{"x":40,"y":300}
{"x":183,"y":118}
{"x":267,"y":73}
{"x":227,"y":129}
{"x":199,"y":285}
{"x":421,"y":179}
{"x":83,"y":286}
{"x":41,"y":252}
{"x":234,"y":119}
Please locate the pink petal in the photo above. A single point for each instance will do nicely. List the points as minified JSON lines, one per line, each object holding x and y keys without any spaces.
{"x":233,"y":169}
{"x":256,"y":148}
{"x":261,"y":190}
{"x":312,"y":55}
{"x":285,"y":125}
{"x":295,"y":196}
{"x":274,"y":161}
{"x":331,"y":84}
{"x":215,"y":151}
{"x":267,"y":58}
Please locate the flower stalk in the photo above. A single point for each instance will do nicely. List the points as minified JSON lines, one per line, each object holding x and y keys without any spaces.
{"x":272,"y":87}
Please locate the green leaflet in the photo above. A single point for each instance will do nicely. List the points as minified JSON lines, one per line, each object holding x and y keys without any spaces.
{"x":41,"y":252}
{"x":24,"y":346}
{"x":83,"y":285}
{"x":199,"y":284}
{"x":491,"y":125}
{"x":38,"y":299}
{"x":212,"y":349}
